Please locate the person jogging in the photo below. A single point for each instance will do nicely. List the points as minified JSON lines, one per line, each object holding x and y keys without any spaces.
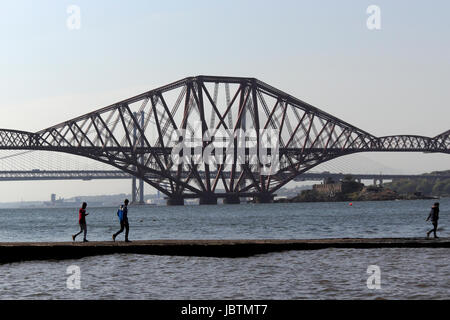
{"x":82,"y":221}
{"x":434,"y":216}
{"x":123,"y":219}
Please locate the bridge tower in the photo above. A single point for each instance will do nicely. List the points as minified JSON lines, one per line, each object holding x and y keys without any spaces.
{"x":137,"y":192}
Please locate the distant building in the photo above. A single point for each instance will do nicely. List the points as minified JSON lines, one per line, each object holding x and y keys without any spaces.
{"x":53,"y":201}
{"x":332,"y":188}
{"x":329,"y":188}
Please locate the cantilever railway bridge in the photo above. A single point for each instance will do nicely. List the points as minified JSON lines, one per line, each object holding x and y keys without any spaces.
{"x":135,"y":136}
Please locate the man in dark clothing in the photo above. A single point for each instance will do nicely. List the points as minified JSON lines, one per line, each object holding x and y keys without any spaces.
{"x":123,"y":218}
{"x":434,"y":216}
{"x":82,"y":221}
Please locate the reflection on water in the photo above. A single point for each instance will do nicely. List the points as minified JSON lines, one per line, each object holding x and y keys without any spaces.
{"x":321,"y":274}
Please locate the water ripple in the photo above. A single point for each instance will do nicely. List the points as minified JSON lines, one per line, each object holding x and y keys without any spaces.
{"x":321,"y":274}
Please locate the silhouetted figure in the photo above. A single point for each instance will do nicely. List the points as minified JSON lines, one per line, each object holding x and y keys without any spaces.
{"x":82,"y":221}
{"x":434,"y":216}
{"x":123,"y":219}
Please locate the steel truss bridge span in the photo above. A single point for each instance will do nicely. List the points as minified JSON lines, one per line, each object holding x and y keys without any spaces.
{"x":135,"y":136}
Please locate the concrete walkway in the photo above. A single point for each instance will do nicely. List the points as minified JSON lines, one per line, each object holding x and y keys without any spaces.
{"x":22,"y":251}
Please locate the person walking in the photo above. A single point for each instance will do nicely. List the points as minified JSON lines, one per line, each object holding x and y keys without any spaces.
{"x":123,"y":219}
{"x":82,"y":221}
{"x":434,"y":216}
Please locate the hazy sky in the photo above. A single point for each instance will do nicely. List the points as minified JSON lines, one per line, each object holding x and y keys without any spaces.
{"x":389,"y":81}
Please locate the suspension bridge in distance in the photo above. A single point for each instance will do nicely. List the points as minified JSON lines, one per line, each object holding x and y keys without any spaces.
{"x":87,"y":175}
{"x":116,"y":174}
{"x":136,"y":137}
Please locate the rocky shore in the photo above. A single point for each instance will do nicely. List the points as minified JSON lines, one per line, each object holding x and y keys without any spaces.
{"x":370,"y":193}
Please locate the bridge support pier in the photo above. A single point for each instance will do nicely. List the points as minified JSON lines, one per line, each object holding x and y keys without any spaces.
{"x":208,"y":198}
{"x":264,"y":198}
{"x":232,"y":199}
{"x":137,"y":194}
{"x":378,"y":180}
{"x":178,"y":201}
{"x":133,"y":190}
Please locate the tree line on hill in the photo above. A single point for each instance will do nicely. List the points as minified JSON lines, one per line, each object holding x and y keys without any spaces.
{"x":436,"y":186}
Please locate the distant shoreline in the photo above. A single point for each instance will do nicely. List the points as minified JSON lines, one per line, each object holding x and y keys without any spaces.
{"x":358,"y":200}
{"x":284,"y":200}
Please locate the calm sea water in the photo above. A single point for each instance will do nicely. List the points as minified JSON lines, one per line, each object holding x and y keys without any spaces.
{"x":321,"y":274}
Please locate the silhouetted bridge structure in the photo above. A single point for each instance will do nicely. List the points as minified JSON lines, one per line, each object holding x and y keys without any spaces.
{"x":136,"y":135}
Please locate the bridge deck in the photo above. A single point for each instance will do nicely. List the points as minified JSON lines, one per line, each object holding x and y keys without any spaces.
{"x":22,"y":251}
